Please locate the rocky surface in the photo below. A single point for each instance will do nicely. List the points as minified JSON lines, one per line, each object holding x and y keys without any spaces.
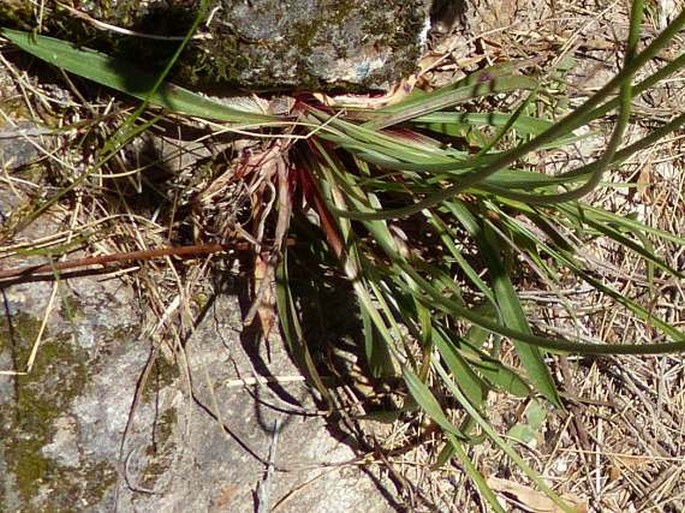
{"x":205,"y":446}
{"x":199,"y":437}
{"x":260,"y":44}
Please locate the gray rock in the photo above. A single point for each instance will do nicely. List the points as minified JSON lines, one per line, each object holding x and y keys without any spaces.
{"x":69,"y":440}
{"x":19,"y":143}
{"x":296,"y":43}
{"x":64,"y":442}
{"x":258,"y":44}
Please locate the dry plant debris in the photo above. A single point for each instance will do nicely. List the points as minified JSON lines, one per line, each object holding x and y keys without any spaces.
{"x":620,"y":447}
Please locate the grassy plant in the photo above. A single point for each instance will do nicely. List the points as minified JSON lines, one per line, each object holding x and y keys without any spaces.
{"x":437,"y":223}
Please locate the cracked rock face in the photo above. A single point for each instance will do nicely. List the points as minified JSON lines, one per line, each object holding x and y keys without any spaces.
{"x":368,"y":43}
{"x":62,"y":443}
{"x":256,"y":44}
{"x":250,"y":434}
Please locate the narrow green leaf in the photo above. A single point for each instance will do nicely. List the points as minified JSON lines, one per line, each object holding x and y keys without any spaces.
{"x":449,"y":306}
{"x":377,"y":354}
{"x":508,"y":304}
{"x":292,"y":330}
{"x":498,"y":374}
{"x":127,"y":78}
{"x":448,"y":236}
{"x":514,"y":316}
{"x":535,"y":414}
{"x":628,"y":224}
{"x":502,"y":444}
{"x":474,"y":474}
{"x":474,"y":388}
{"x":569,"y":260}
{"x":495,"y":79}
{"x":444,"y":455}
{"x":428,"y":403}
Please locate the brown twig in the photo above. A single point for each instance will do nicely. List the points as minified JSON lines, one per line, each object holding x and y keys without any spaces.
{"x":148,"y":254}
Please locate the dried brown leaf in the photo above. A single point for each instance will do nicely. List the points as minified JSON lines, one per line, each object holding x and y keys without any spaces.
{"x":532,"y":500}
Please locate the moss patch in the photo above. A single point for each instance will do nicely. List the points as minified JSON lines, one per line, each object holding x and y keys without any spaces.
{"x":162,"y":374}
{"x":161,"y":452}
{"x":59,"y":374}
{"x":268,"y":47}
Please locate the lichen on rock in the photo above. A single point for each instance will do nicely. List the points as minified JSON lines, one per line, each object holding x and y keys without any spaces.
{"x":257,"y":45}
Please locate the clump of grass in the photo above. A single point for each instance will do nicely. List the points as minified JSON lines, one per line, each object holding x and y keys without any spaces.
{"x":438,"y":225}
